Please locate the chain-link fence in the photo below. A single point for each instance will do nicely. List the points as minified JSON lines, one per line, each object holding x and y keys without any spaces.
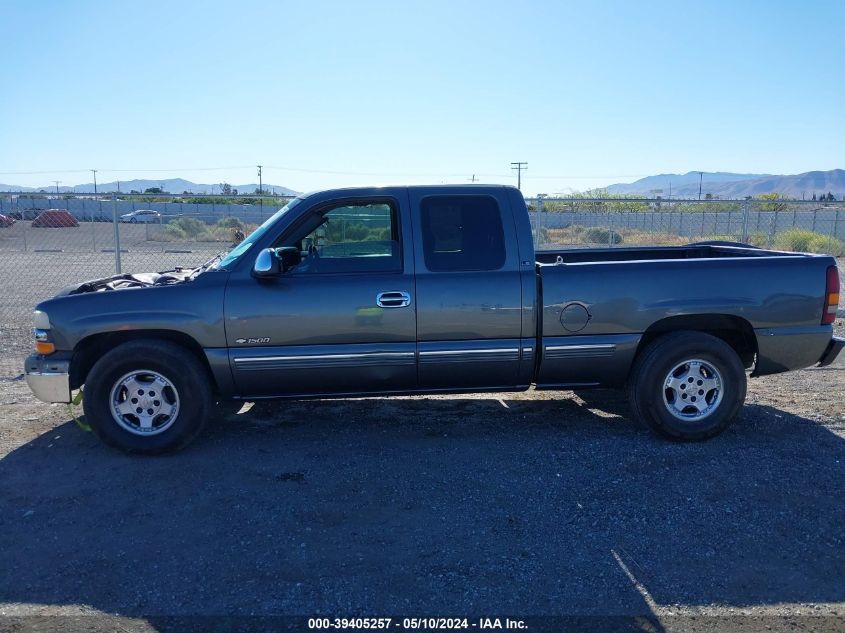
{"x":47,"y":243}
{"x":50,"y":242}
{"x":607,"y":222}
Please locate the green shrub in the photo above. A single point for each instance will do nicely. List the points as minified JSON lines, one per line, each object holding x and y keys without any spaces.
{"x":230,"y":223}
{"x":174,"y":232}
{"x":191,"y":227}
{"x":804,"y":241}
{"x":794,"y":240}
{"x":827,"y":245}
{"x":601,"y":235}
{"x":758,"y":239}
{"x":755,"y":239}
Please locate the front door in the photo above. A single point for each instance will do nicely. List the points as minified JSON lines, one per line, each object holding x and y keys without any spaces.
{"x":343,"y":321}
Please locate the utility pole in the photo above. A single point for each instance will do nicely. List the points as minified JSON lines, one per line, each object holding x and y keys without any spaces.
{"x":700,"y":180}
{"x":261,"y":193}
{"x":473,"y":179}
{"x":95,"y":181}
{"x":519,"y":166}
{"x":57,"y":185}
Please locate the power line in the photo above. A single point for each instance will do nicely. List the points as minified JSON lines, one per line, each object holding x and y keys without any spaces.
{"x":518,"y":166}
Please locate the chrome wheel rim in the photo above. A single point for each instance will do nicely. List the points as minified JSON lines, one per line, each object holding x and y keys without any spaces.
{"x":692,"y":390}
{"x":144,"y":402}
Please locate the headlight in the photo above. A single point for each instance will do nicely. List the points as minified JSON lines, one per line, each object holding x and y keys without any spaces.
{"x":41,"y":333}
{"x":40,"y":320}
{"x":43,"y":345}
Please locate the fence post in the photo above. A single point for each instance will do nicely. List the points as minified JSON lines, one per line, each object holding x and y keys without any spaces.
{"x":93,"y":230}
{"x":774,"y":228}
{"x":610,"y":229}
{"x":538,"y":210}
{"x":836,"y":224}
{"x":745,"y":222}
{"x":815,"y":215}
{"x":116,"y":234}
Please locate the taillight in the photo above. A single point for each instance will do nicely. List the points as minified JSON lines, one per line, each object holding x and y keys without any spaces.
{"x":831,"y":296}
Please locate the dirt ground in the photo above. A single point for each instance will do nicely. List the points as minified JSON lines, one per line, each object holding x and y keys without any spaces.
{"x":543,"y":503}
{"x":534,"y":504}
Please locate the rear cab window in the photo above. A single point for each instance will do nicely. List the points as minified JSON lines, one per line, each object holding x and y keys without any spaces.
{"x":462,"y":233}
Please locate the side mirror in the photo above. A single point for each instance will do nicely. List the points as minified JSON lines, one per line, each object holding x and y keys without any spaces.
{"x":267,"y":264}
{"x":272,"y":262}
{"x":290,"y":256}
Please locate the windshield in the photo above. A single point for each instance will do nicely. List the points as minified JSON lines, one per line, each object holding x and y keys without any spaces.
{"x":253,"y":237}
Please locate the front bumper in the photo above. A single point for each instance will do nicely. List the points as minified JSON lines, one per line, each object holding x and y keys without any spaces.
{"x":833,"y":350}
{"x":49,"y":379}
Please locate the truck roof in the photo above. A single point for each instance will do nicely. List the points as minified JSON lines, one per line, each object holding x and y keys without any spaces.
{"x":374,"y":190}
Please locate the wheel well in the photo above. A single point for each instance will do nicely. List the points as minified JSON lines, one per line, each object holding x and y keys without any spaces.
{"x":733,"y":330}
{"x":90,"y":349}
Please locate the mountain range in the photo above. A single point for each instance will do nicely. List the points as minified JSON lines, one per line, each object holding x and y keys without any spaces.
{"x":737,"y":186}
{"x":718,"y":184}
{"x":169,"y":185}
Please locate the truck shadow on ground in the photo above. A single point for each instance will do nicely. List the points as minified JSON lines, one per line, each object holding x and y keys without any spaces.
{"x":429,"y":507}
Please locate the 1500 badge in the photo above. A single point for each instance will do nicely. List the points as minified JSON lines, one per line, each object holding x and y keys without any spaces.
{"x":252,"y":341}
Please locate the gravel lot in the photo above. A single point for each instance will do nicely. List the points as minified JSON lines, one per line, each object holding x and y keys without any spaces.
{"x":543,"y":503}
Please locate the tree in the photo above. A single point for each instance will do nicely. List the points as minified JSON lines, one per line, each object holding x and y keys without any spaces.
{"x":226,"y":189}
{"x":154,"y":190}
{"x":814,"y":196}
{"x":772,"y":202}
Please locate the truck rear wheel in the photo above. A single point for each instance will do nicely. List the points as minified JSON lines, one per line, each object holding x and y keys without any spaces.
{"x":147,"y":397}
{"x":687,"y":386}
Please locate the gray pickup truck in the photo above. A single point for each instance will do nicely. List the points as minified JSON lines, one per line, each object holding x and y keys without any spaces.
{"x":430,"y":289}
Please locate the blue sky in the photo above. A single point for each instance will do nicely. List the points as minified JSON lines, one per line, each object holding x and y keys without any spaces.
{"x":340,"y":93}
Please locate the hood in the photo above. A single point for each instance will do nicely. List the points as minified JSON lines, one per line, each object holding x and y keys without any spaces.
{"x":126,"y":281}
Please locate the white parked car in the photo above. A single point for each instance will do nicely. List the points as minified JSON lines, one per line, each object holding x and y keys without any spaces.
{"x":141,"y":215}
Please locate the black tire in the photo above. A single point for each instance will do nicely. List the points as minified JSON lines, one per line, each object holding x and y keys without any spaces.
{"x":189,"y":382}
{"x":647,"y":386}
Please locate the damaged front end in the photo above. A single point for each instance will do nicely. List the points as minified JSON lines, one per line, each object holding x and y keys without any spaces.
{"x":125,"y":281}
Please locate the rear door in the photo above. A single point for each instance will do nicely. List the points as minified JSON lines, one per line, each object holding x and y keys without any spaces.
{"x":343,"y":321}
{"x":468,"y":290}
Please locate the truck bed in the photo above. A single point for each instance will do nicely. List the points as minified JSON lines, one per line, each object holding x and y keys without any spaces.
{"x":645,"y":253}
{"x":597,"y":304}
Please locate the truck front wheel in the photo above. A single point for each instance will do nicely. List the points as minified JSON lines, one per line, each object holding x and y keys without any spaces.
{"x":687,"y":386}
{"x":147,"y":397}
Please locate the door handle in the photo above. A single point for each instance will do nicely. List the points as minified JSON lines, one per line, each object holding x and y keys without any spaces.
{"x":393,"y":299}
